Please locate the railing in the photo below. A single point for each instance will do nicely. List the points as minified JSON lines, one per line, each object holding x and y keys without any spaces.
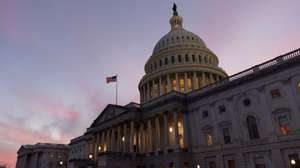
{"x":266,"y":65}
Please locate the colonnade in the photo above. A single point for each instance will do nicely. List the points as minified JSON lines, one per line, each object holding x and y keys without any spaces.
{"x":182,"y":81}
{"x":161,"y":133}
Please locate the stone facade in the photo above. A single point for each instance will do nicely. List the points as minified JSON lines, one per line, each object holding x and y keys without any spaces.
{"x":193,"y":115}
{"x":43,"y":155}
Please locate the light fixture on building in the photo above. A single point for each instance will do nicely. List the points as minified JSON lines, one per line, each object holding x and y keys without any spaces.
{"x":179,"y":124}
{"x":99,"y":148}
{"x":198,"y":166}
{"x":171,"y":129}
{"x":123,"y":139}
{"x":61,"y":162}
{"x":90,"y":156}
{"x":293,"y":162}
{"x":298,"y":85}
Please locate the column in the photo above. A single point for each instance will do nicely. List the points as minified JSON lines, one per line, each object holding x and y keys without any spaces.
{"x":153,"y":89}
{"x":157,"y":128}
{"x":185,"y":82}
{"x":102,"y":143}
{"x":175,"y":126}
{"x":144,"y":93}
{"x":113,"y":145}
{"x":195,"y":82}
{"x":131,"y":141}
{"x":142,"y":138}
{"x":126,"y":139}
{"x":203,"y":79}
{"x":119,"y":139}
{"x":161,"y":87}
{"x":185,"y":130}
{"x":166,"y":132}
{"x":211,"y":77}
{"x":97,"y":144}
{"x":169,"y":85}
{"x":177,"y":83}
{"x":150,"y":139}
{"x":108,"y":144}
{"x":148,"y":91}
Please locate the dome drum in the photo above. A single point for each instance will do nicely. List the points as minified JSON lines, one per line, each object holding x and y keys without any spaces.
{"x":180,"y":61}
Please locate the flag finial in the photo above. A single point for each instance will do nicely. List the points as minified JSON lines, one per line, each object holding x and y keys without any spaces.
{"x":175,"y":13}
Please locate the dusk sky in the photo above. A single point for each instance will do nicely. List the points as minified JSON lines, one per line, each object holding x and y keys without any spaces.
{"x":55,"y":55}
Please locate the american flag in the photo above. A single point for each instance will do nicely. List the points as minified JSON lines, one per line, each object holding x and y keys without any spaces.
{"x":111,"y":79}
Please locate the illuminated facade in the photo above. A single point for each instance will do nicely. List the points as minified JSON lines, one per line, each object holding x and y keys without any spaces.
{"x":193,"y":115}
{"x":43,"y":155}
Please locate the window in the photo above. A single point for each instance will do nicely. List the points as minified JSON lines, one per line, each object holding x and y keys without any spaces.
{"x":181,"y":82}
{"x":209,"y":139}
{"x":222,"y":109}
{"x":174,"y":84}
{"x":166,"y":61}
{"x":298,"y":85}
{"x":160,"y":63}
{"x":247,"y":102}
{"x":260,"y":162}
{"x":199,"y":57}
{"x":193,"y":58}
{"x":205,"y":114}
{"x":284,"y":124}
{"x":179,"y":58}
{"x":212,"y":164}
{"x":231,"y":163}
{"x":190,"y":84}
{"x":226,"y":135}
{"x":275,"y":93}
{"x":172,"y":59}
{"x":252,"y":127}
{"x":186,"y":58}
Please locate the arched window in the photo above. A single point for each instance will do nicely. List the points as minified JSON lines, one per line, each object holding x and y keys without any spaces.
{"x":166,"y":61}
{"x":172,"y":59}
{"x":179,"y":58}
{"x":252,"y":127}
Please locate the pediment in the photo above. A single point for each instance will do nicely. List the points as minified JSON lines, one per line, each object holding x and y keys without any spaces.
{"x":109,"y":112}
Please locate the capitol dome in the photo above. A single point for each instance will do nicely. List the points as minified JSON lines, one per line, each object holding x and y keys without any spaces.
{"x":180,"y":61}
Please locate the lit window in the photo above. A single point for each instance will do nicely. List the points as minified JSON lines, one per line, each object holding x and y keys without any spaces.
{"x":205,"y":114}
{"x":284,"y":125}
{"x":174,"y":85}
{"x":170,"y":129}
{"x":99,"y":148}
{"x":209,"y":139}
{"x":181,"y":85}
{"x":275,"y":93}
{"x":190,"y":85}
{"x":226,"y":135}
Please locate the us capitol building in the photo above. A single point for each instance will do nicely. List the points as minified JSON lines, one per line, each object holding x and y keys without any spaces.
{"x":193,"y":115}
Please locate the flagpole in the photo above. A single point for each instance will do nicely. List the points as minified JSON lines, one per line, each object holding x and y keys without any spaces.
{"x":117,"y":90}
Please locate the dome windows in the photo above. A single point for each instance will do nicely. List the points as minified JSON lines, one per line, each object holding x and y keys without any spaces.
{"x":166,"y":61}
{"x":179,"y":58}
{"x":186,"y":58}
